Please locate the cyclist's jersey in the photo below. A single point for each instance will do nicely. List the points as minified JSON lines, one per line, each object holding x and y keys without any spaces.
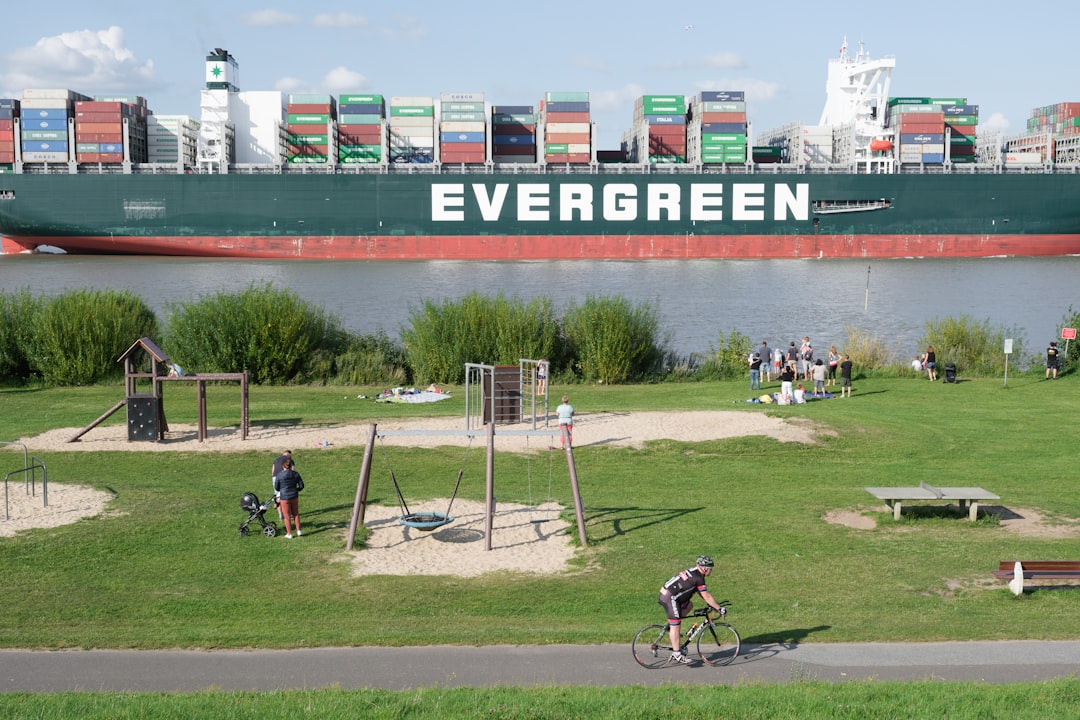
{"x":682,"y":587}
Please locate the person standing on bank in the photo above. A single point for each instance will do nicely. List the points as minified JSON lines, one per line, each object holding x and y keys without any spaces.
{"x":287,"y":486}
{"x":1052,"y":356}
{"x":565,"y":411}
{"x":845,"y":377}
{"x":279,"y":465}
{"x":542,"y":378}
{"x":755,"y":372}
{"x":930,"y":362}
{"x":766,"y":361}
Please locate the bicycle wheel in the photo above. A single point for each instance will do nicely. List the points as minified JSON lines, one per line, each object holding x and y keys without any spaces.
{"x":652,"y":646}
{"x":718,"y":644}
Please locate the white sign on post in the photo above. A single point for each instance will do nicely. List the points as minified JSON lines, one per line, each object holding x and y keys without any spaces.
{"x":1008,"y":352}
{"x":1008,"y":346}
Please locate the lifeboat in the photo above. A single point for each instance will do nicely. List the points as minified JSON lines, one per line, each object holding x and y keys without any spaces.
{"x":880,"y":145}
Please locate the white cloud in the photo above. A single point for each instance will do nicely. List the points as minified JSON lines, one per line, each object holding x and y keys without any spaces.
{"x":996,"y":122}
{"x":407,"y":28}
{"x":724,"y":61}
{"x":342,"y":79}
{"x":756,"y":90}
{"x":270,"y":18}
{"x":339,"y":20}
{"x":607,"y":100}
{"x":85,"y":60}
{"x":291,"y":84}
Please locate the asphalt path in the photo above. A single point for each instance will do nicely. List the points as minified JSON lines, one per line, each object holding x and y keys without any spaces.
{"x":523,"y":666}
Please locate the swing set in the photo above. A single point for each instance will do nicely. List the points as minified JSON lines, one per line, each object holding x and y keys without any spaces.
{"x":428,"y":521}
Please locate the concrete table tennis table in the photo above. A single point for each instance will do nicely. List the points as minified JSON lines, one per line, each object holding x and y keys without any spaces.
{"x":894,"y":497}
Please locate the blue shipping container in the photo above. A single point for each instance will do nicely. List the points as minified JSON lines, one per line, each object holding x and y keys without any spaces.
{"x":45,"y":123}
{"x":933,"y":158}
{"x":665,"y":119}
{"x":9,"y":104}
{"x":723,"y":96}
{"x":960,"y":109}
{"x":112,"y":148}
{"x":360,"y":109}
{"x":511,"y":109}
{"x":45,"y":146}
{"x":921,"y":138}
{"x":567,"y":107}
{"x":513,"y":139}
{"x":7,"y":113}
{"x":462,"y":137}
{"x":44,"y":113}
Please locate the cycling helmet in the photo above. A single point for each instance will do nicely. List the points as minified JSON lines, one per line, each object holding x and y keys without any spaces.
{"x":704,"y":561}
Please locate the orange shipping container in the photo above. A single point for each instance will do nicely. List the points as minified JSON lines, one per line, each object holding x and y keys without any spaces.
{"x":98,"y":117}
{"x":464,"y":147}
{"x":7,"y":157}
{"x":566,"y":117}
{"x":110,"y":127}
{"x":462,"y":157}
{"x":572,"y":158}
{"x":99,"y":137}
{"x":308,"y":109}
{"x":568,"y":138}
{"x":724,"y":117}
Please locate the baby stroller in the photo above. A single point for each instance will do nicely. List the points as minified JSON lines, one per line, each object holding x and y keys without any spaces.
{"x":950,"y":372}
{"x":257,"y":510}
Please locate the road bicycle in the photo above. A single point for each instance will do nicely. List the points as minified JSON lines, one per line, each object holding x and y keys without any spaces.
{"x":716,"y":642}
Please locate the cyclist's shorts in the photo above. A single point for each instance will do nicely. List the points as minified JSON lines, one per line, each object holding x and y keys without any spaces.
{"x":673,"y":609}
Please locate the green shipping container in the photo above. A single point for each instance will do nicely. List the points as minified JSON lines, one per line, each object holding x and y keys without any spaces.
{"x":566,"y":97}
{"x":412,"y":111}
{"x":556,"y":148}
{"x":469,"y":107}
{"x":309,"y":99}
{"x":667,"y":159}
{"x":360,"y":99}
{"x":962,"y":120}
{"x":463,"y":117}
{"x":725,"y":138}
{"x":769,"y":151}
{"x":359,"y":119}
{"x":307,"y":119}
{"x":44,"y":135}
{"x":514,"y":118}
{"x":307,"y":139}
{"x":662,"y":105}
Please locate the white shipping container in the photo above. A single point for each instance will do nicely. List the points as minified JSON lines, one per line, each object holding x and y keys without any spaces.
{"x":448,"y":97}
{"x":36,"y":157}
{"x":461,"y":126}
{"x":560,"y":127}
{"x":46,"y":104}
{"x":50,"y":94}
{"x":411,"y":141}
{"x":421,"y":121}
{"x":412,"y":132}
{"x":1023,"y":158}
{"x":578,"y":148}
{"x":412,"y":100}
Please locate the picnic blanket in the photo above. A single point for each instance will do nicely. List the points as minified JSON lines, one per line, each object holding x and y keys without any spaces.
{"x":411,"y":396}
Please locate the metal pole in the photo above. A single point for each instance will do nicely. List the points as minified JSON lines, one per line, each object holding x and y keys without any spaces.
{"x":360,"y":504}
{"x":489,"y":486}
{"x":866,"y":301}
{"x":579,"y":509}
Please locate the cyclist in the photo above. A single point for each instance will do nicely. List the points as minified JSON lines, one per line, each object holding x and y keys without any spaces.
{"x":676,"y":598}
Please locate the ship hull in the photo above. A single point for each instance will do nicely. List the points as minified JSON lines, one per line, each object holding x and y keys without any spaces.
{"x":544,"y":216}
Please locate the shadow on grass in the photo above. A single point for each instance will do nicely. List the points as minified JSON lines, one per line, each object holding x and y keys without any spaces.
{"x":624,"y":520}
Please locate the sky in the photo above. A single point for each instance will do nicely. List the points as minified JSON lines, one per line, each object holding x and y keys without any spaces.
{"x":513,"y":52}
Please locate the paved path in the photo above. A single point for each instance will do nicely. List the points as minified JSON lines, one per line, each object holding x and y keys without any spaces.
{"x":452,"y":666}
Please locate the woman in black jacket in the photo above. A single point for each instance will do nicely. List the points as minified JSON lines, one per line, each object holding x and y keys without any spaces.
{"x":287,"y":485}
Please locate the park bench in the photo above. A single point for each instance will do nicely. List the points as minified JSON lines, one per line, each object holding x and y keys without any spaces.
{"x":1017,"y":571}
{"x":894,"y":497}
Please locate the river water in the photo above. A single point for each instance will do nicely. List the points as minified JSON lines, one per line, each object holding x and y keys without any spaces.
{"x":698,"y":300}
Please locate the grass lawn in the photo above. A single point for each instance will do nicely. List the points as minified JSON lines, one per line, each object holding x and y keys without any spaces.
{"x":164,"y":566}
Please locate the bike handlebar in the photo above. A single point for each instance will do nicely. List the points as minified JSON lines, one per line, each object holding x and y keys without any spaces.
{"x":704,"y":612}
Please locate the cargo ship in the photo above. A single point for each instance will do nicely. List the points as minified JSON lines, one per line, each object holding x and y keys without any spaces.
{"x":355,"y":177}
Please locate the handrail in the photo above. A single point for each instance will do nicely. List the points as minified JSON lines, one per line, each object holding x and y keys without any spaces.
{"x":39,"y":463}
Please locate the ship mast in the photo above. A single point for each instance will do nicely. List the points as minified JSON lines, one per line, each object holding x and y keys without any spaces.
{"x":857,"y":94}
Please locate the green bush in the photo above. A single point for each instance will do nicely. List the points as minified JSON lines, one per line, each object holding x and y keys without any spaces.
{"x":612,"y":340}
{"x":17,"y":311}
{"x":76,"y":338}
{"x":443,"y":337}
{"x":371,"y":360}
{"x":977,"y":348}
{"x":271,"y":333}
{"x":868,"y":352}
{"x":730,"y":360}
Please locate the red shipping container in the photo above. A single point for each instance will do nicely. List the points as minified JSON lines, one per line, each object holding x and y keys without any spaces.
{"x":319,"y":129}
{"x":361,"y":129}
{"x":462,"y":157}
{"x":7,"y":145}
{"x":567,"y":117}
{"x":923,"y":128}
{"x":464,"y":147}
{"x":8,"y":125}
{"x":308,"y":109}
{"x":7,"y":157}
{"x":512,"y":129}
{"x":102,"y":106}
{"x":98,"y":117}
{"x":965,"y":130}
{"x":724,"y":117}
{"x":99,"y":137}
{"x":308,"y":150}
{"x":568,"y":138}
{"x":572,"y":158}
{"x":667,"y":131}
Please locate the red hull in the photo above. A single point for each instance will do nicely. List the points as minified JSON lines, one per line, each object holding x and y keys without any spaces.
{"x":565,"y":247}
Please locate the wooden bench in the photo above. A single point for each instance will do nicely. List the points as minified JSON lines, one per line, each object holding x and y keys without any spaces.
{"x":1017,"y":571}
{"x":894,"y":497}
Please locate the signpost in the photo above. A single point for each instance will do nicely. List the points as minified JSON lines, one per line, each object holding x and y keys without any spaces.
{"x":1008,"y":352}
{"x":1068,"y":334}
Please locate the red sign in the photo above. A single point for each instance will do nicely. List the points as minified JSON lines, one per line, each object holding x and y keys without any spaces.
{"x":1068,"y":333}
